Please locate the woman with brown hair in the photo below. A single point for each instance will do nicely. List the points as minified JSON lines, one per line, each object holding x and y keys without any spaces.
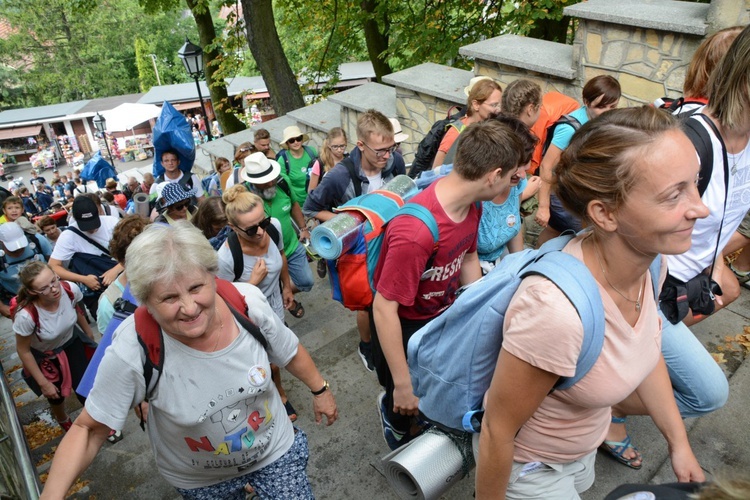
{"x":483,"y":103}
{"x":332,"y":152}
{"x":50,"y":340}
{"x":630,"y":174}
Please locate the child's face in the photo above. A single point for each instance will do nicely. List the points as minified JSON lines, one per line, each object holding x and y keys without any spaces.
{"x":12,"y":211}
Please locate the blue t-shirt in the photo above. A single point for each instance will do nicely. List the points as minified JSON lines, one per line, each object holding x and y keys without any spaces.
{"x":11,"y":265}
{"x":499,"y":224}
{"x":564,"y":133}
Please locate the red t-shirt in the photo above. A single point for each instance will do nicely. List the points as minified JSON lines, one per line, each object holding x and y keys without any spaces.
{"x":407,"y":247}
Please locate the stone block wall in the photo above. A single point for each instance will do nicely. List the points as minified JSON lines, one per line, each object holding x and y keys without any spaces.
{"x":417,"y":112}
{"x":506,"y":74}
{"x":648,"y":63}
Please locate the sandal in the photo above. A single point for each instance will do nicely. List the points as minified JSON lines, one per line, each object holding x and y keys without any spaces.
{"x":617,"y":449}
{"x":297,"y":310}
{"x":114,"y":436}
{"x":290,"y":411}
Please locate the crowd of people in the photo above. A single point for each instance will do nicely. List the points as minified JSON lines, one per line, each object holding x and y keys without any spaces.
{"x":206,"y":286}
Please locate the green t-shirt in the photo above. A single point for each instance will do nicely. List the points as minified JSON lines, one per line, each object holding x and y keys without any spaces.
{"x":281,"y":208}
{"x":297,"y":173}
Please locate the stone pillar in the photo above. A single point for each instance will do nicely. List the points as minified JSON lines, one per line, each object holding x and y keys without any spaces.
{"x":726,"y":13}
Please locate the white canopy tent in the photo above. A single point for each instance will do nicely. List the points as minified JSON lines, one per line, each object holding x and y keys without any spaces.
{"x":129,"y":115}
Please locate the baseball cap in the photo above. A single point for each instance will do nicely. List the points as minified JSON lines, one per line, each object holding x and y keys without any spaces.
{"x":12,"y":236}
{"x":86,"y":214}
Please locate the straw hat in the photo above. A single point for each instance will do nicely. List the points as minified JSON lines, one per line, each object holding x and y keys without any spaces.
{"x":290,"y":132}
{"x":398,"y":135}
{"x":259,"y":169}
{"x":474,"y":81}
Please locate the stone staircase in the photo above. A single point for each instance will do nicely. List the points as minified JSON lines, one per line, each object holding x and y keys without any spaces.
{"x":645,"y":44}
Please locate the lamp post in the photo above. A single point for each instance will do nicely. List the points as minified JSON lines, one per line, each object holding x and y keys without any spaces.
{"x":192,"y":58}
{"x":156,"y":70}
{"x":101,"y":126}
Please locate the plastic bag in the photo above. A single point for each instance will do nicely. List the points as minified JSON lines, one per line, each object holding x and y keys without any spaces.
{"x":172,"y":131}
{"x":98,"y":169}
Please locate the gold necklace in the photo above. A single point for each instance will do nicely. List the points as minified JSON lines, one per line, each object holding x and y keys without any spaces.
{"x":221,"y":329}
{"x":637,"y":302}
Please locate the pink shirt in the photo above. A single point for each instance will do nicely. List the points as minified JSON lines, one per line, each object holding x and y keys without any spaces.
{"x":543,"y":328}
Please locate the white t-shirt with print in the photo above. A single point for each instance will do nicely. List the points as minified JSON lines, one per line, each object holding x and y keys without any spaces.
{"x":55,"y":327}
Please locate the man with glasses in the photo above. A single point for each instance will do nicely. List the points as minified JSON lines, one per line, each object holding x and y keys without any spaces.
{"x":18,"y":249}
{"x":368,"y":167}
{"x":172,"y":174}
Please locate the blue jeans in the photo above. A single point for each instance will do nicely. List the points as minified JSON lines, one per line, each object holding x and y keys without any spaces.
{"x":699,"y":384}
{"x":299,"y":269}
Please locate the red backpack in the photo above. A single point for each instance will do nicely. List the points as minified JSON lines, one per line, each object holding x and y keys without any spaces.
{"x":151,"y":339}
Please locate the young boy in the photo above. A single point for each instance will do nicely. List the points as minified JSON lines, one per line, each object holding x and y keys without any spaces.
{"x":376,"y":162}
{"x":416,"y":282}
{"x":13,"y":211}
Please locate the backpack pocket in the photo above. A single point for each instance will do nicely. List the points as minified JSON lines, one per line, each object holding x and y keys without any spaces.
{"x":354,"y":281}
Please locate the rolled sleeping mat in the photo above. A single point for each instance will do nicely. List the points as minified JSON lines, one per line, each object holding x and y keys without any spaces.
{"x":428,"y":466}
{"x":337,"y":235}
{"x":140,"y":201}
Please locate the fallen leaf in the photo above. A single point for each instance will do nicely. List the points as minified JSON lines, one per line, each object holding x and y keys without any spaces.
{"x":719,"y":358}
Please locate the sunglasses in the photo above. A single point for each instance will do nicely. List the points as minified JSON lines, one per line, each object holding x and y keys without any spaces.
{"x":181,"y":205}
{"x":295,"y":139}
{"x":253,"y":230}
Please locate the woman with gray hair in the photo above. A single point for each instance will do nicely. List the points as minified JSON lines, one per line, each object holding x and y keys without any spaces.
{"x":172,"y":270}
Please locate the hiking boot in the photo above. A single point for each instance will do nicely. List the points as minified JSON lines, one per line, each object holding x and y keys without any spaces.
{"x":322,"y":268}
{"x":393,"y":438}
{"x":365,"y":354}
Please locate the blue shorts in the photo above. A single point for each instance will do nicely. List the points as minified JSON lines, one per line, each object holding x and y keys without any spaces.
{"x":285,"y":478}
{"x":299,"y":269}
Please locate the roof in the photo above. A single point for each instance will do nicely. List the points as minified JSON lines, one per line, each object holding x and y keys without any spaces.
{"x":41,"y":113}
{"x":107,"y":103}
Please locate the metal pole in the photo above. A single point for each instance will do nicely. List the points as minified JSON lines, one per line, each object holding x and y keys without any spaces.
{"x":203,"y":108}
{"x":156,"y":70}
{"x":109,"y":153}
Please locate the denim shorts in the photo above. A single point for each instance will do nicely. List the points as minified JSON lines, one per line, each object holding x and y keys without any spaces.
{"x":285,"y":478}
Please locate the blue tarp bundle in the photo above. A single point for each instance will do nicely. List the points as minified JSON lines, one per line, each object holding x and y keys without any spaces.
{"x":98,"y":169}
{"x":172,"y":131}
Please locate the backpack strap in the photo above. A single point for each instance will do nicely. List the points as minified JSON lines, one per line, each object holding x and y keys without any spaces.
{"x":282,"y":155}
{"x":82,"y":235}
{"x":151,"y":340}
{"x":233,"y":241}
{"x":701,"y":139}
{"x":237,"y":304}
{"x":284,"y":186}
{"x":353,"y":175}
{"x":423,"y":213}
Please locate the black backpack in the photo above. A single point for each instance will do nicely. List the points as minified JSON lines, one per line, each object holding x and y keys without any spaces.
{"x":428,"y":146}
{"x":563,"y":120}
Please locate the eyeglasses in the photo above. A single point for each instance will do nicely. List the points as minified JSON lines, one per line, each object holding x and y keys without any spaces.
{"x":338,"y":147}
{"x":494,"y":105}
{"x":47,"y":289}
{"x":382,"y":152}
{"x":181,"y":205}
{"x":295,"y":139}
{"x":253,"y":230}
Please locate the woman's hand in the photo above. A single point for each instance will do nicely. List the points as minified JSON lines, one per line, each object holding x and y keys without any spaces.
{"x":686,"y":466}
{"x":325,"y":404}
{"x":288,"y":297}
{"x":542,"y":216}
{"x":110,"y":276}
{"x":260,"y":271}
{"x":49,"y":390}
{"x":91,"y":281}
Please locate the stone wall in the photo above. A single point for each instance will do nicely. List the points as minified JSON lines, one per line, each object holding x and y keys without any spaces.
{"x":506,"y":74}
{"x":648,"y":63}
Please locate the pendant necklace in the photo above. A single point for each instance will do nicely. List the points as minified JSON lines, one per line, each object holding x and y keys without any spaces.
{"x":221,"y":329}
{"x":637,"y":302}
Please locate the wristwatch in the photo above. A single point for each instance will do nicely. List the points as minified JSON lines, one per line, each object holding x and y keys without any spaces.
{"x":321,"y":391}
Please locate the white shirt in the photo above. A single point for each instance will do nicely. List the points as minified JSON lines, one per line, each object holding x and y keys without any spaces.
{"x":55,"y":327}
{"x":69,"y":243}
{"x":197,"y":190}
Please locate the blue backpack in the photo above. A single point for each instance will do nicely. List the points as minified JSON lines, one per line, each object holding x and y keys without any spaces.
{"x":351,"y":274}
{"x":452,"y":358}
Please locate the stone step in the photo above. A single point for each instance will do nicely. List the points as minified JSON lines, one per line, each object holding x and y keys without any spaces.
{"x":665,"y":15}
{"x":537,"y":56}
{"x":424,"y":94}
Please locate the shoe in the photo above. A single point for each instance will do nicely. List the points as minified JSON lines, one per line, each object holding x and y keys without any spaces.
{"x":114,"y":436}
{"x":365,"y":354}
{"x":322,"y":268}
{"x":66,"y":424}
{"x":742,"y":276}
{"x":393,"y":438}
{"x":617,"y":449}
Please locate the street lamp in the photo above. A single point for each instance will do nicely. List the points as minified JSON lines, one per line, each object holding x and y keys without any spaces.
{"x":101,"y":126}
{"x":192,"y":58}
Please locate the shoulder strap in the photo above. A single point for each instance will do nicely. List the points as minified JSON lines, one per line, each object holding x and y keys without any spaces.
{"x":151,"y":340}
{"x":284,"y":186}
{"x":283,"y":155}
{"x":33,"y":239}
{"x":352,"y":168}
{"x":235,"y":248}
{"x":701,"y":139}
{"x":186,"y":181}
{"x":82,"y":235}
{"x":236,"y":175}
{"x":236,"y":302}
{"x":274,"y":234}
{"x":310,"y":152}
